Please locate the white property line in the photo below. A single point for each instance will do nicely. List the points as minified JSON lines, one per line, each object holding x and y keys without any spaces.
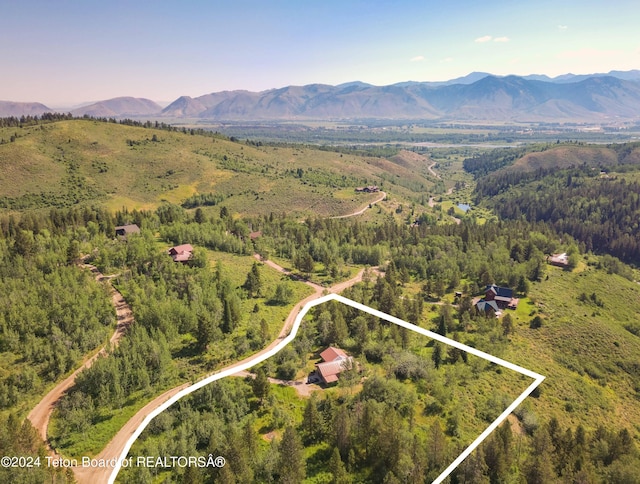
{"x":294,"y":330}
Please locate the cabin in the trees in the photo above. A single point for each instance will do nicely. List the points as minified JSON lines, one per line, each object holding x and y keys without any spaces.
{"x":496,"y":298}
{"x":369,"y":189}
{"x":559,"y":260}
{"x":334,"y":362}
{"x":124,"y":230}
{"x":181,"y":253}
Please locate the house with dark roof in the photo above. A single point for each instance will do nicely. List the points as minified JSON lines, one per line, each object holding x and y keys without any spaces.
{"x":496,"y":298}
{"x":485,"y":306}
{"x":334,"y":362}
{"x":124,"y":230}
{"x":181,"y":253}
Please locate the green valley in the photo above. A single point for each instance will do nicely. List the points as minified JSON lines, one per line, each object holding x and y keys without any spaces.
{"x":259,"y":224}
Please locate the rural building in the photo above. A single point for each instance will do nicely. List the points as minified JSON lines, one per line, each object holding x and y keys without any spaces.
{"x":334,"y":362}
{"x":560,"y":260}
{"x":181,"y":253}
{"x":485,"y":306}
{"x":369,"y":189}
{"x":124,"y":230}
{"x":496,"y":298}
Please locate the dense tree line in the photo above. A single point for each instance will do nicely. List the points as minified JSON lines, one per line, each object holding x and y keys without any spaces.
{"x":29,"y":120}
{"x":597,"y":209}
{"x":203,"y":200}
{"x":489,"y":161}
{"x":509,"y":253}
{"x":19,"y":122}
{"x":601,"y":213}
{"x":52,"y":312}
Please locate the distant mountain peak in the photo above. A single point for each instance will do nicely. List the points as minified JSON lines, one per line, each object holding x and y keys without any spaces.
{"x":354,"y":84}
{"x":476,"y":96}
{"x":17,"y":109}
{"x":118,"y":107}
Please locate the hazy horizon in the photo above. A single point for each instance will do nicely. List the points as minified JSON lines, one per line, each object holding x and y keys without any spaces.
{"x":78,"y":52}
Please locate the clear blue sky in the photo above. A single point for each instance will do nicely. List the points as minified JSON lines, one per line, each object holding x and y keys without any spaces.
{"x":62,"y":52}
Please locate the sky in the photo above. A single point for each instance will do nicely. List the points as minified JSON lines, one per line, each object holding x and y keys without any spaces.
{"x":66,"y":52}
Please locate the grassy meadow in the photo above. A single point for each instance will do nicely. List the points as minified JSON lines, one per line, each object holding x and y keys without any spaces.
{"x":86,"y":161}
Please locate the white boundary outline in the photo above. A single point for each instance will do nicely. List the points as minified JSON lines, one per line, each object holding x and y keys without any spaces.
{"x":294,"y":330}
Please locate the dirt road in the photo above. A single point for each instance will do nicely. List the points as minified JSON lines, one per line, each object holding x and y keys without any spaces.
{"x":430,"y":168}
{"x":382,"y":196}
{"x":41,"y":414}
{"x":115,"y":447}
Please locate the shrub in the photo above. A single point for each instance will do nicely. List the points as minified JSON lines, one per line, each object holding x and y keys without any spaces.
{"x":536,"y":323}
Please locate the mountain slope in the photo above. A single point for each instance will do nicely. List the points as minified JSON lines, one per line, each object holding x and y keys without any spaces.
{"x":489,"y":98}
{"x":119,"y":106}
{"x":479,"y":96}
{"x":10,"y":108}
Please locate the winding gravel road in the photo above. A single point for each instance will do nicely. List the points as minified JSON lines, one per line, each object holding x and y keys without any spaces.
{"x":113,"y":450}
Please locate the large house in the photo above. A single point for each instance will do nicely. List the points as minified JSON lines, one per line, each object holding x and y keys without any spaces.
{"x":181,"y":253}
{"x":334,"y":362}
{"x":497,"y":298}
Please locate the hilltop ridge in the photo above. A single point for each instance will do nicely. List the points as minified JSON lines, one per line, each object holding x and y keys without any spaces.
{"x":479,"y":96}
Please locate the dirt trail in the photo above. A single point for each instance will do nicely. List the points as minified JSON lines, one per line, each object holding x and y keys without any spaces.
{"x":382,"y":196}
{"x":117,"y":444}
{"x":430,"y":168}
{"x":41,"y":414}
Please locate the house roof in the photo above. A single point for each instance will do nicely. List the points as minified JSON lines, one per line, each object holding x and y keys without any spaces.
{"x":502,"y":298}
{"x":501,"y":292}
{"x":560,"y":259}
{"x":181,"y":253}
{"x":483,"y":305}
{"x":128,"y":229}
{"x":330,"y":370}
{"x":332,"y":354}
{"x":182,"y":256}
{"x":178,"y":249}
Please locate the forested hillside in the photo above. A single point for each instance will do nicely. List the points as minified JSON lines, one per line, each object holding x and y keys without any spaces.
{"x":566,"y":327}
{"x":591,"y":193}
{"x":412,"y":405}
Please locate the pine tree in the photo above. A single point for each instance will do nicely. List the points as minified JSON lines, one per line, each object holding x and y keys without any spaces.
{"x":312,"y":425}
{"x":253,"y":284}
{"x":206,"y":331}
{"x":261,"y":386}
{"x":436,"y":356}
{"x":291,"y":464}
{"x":337,"y":468}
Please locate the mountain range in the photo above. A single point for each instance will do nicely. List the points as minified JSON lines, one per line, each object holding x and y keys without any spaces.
{"x":478,"y":96}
